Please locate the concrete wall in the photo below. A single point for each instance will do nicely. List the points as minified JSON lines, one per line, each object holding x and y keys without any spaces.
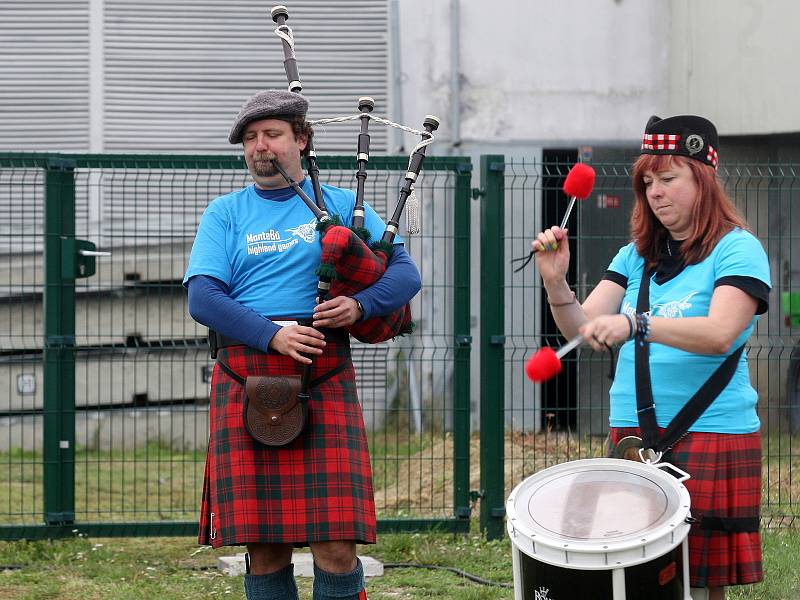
{"x":551,"y":72}
{"x":736,"y":62}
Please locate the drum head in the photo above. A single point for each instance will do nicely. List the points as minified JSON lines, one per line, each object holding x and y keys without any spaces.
{"x":609,"y":502}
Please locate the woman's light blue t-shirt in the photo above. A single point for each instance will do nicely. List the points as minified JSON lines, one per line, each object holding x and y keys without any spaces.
{"x":676,"y":374}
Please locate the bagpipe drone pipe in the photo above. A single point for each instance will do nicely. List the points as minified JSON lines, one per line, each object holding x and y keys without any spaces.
{"x":350,"y":261}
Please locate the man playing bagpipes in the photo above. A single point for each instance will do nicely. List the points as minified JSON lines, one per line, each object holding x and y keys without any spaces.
{"x":251,"y":279}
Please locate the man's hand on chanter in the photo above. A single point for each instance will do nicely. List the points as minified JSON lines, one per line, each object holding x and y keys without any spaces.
{"x":296,"y":340}
{"x":341,"y":311}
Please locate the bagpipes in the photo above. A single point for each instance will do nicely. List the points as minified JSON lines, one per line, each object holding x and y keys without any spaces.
{"x":349,"y":262}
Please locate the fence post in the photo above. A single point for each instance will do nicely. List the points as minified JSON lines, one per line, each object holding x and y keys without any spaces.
{"x":492,"y":330}
{"x":463,"y":339}
{"x":59,"y":343}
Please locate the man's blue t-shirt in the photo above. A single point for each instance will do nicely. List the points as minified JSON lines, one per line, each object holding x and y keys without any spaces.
{"x":676,"y":374}
{"x":267,"y":250}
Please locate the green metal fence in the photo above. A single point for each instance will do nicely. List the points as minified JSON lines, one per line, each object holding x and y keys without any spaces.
{"x":104,"y":379}
{"x":535,"y":426}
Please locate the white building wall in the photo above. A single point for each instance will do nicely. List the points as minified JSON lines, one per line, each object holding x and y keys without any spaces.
{"x":544,"y":72}
{"x":559,"y":73}
{"x":100,"y":75}
{"x":736,"y":61}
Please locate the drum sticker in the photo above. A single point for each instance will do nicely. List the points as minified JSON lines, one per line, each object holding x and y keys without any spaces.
{"x":667,"y":574}
{"x":542,"y":594}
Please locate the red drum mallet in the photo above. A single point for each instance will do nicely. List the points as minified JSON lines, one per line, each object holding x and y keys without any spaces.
{"x":578,"y":185}
{"x":545,"y":363}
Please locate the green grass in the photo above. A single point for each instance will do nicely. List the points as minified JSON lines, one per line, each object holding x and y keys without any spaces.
{"x":176,"y":568}
{"x":147,"y":484}
{"x":412,"y":479}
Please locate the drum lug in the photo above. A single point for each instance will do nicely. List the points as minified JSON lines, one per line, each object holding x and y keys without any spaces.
{"x":649,"y":456}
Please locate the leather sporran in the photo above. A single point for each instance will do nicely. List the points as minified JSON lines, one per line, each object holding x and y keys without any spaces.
{"x":275,"y":412}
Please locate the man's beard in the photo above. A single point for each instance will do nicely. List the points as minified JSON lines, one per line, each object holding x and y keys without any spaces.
{"x":263,"y":167}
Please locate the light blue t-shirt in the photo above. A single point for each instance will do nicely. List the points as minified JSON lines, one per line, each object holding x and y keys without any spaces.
{"x":676,"y":374}
{"x":267,"y":250}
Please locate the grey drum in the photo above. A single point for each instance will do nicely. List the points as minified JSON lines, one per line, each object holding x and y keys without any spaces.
{"x":601,"y":528}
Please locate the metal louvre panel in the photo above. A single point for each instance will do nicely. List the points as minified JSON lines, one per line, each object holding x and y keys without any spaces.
{"x":44,"y":75}
{"x":176,"y":72}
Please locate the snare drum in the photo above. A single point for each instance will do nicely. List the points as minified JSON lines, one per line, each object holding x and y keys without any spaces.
{"x":603,"y":528}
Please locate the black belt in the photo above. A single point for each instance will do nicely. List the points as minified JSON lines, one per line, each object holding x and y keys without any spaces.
{"x":217,"y":340}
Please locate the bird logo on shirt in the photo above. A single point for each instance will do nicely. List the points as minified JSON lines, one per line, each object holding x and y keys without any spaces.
{"x":306,"y":231}
{"x":675,"y":308}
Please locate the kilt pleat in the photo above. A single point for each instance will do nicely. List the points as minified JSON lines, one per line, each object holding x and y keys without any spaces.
{"x":318,"y":488}
{"x":725,"y":482}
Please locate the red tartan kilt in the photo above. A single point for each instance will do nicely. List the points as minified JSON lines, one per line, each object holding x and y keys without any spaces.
{"x":357,"y":267}
{"x":318,"y":488}
{"x":725,"y":481}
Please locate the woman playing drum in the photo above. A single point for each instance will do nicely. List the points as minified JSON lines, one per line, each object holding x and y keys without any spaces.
{"x":704,"y":280}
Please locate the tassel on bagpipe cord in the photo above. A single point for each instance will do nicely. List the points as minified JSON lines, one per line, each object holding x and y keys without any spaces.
{"x":431,"y":124}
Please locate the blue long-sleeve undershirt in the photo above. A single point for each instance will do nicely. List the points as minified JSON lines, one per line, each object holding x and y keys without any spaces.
{"x":210,"y":302}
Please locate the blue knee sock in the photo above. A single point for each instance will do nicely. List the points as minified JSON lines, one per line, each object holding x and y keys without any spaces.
{"x":279,"y":585}
{"x":339,"y":586}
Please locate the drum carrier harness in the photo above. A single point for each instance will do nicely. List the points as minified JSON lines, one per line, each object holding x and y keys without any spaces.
{"x":652,"y":446}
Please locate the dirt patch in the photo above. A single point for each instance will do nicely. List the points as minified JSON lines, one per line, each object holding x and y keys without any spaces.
{"x":422,"y":484}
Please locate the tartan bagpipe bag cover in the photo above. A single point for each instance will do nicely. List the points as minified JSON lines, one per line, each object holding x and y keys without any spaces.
{"x":353,"y":266}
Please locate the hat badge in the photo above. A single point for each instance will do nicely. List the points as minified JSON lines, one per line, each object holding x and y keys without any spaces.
{"x":694,"y":143}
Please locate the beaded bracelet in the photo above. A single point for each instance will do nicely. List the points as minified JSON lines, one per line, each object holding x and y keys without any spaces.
{"x":643,"y":325}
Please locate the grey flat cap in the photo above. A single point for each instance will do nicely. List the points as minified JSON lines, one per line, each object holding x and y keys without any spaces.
{"x":268,"y":104}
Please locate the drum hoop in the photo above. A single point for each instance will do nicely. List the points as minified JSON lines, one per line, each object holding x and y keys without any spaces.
{"x":682,"y":533}
{"x":674,"y":525}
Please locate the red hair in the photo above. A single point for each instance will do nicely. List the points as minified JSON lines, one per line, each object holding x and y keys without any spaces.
{"x":713,"y":214}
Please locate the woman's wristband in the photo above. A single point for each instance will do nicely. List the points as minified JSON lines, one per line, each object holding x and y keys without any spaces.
{"x":631,"y":327}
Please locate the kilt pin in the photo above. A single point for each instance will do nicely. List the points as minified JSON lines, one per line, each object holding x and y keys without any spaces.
{"x":725,"y":482}
{"x":317,"y":488}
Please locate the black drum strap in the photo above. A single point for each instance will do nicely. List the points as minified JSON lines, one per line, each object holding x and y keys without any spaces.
{"x":730,"y":524}
{"x":691,"y":411}
{"x":645,"y":407}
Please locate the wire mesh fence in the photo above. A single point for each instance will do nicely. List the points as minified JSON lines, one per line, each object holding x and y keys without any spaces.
{"x":567,"y":418}
{"x":141,"y":365}
{"x":142,"y":370}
